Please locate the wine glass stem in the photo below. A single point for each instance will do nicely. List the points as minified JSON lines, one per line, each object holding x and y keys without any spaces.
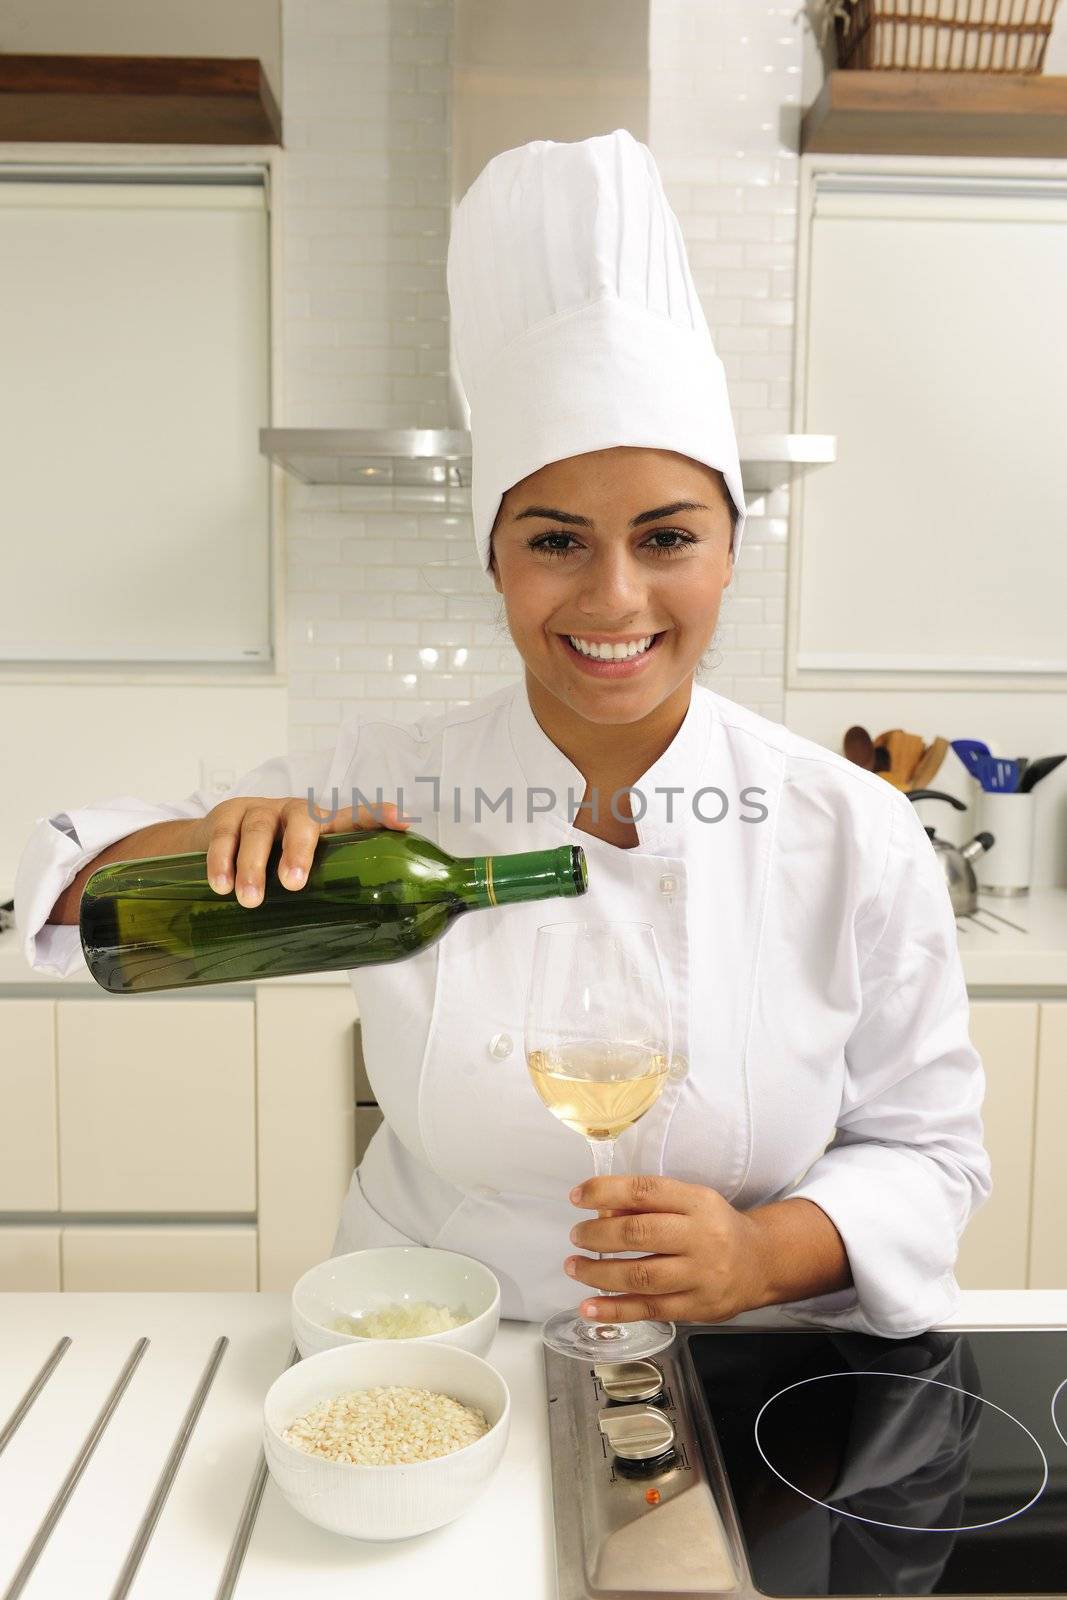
{"x":603,"y":1156}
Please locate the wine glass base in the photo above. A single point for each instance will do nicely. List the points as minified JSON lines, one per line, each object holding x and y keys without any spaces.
{"x":570,"y":1335}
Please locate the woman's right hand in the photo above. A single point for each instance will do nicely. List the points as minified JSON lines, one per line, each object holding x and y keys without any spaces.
{"x":244,"y":829}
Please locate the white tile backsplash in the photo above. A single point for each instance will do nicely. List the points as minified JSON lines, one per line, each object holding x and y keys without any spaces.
{"x":376,"y":579}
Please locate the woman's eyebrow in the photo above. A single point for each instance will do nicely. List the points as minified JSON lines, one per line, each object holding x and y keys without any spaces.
{"x":584,"y":522}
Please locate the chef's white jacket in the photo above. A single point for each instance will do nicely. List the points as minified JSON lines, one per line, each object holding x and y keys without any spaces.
{"x":814,"y":978}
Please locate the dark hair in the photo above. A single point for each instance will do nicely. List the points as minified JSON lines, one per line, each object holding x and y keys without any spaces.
{"x":735,"y":515}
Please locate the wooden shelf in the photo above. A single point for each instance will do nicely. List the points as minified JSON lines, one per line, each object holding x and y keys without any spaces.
{"x":137,"y":100}
{"x":938,"y":113}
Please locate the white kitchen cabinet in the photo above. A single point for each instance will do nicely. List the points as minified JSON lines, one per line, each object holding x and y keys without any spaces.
{"x":29,"y":1170}
{"x":165,"y":288}
{"x":895,"y":263}
{"x":1048,"y":1240}
{"x":307,"y":1056}
{"x":995,"y":1247}
{"x":157,"y":1105}
{"x":29,"y":1258}
{"x":136,"y":1258}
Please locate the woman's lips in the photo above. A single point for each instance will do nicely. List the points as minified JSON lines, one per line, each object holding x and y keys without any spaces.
{"x":628,"y":667}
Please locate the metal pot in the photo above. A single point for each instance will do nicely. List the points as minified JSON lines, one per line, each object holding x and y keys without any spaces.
{"x":956,"y":860}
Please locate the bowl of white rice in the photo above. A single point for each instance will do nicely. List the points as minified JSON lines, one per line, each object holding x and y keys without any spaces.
{"x":384,"y":1440}
{"x":400,"y":1294}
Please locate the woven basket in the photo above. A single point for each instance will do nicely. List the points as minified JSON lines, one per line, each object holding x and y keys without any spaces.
{"x":945,"y":35}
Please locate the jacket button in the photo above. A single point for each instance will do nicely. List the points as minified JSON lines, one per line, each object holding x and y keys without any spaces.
{"x":679,"y":1067}
{"x":500,"y":1046}
{"x":668,"y":884}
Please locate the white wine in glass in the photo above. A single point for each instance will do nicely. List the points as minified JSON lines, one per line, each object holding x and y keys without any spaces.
{"x":598,"y":1047}
{"x":599,"y":1090}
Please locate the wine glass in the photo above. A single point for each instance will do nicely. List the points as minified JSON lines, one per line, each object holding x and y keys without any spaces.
{"x":598,"y":1048}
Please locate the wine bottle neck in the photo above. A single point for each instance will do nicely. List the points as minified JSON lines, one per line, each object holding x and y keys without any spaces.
{"x":531,"y":875}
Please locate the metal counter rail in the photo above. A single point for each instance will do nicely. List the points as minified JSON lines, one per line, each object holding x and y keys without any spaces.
{"x":11,"y":1425}
{"x":232,"y":1570}
{"x":169,"y":1472}
{"x":81,"y":1461}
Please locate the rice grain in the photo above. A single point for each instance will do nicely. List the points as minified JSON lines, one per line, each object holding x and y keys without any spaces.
{"x":386,"y":1426}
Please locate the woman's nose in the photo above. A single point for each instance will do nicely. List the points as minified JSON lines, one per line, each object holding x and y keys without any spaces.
{"x":613,"y":584}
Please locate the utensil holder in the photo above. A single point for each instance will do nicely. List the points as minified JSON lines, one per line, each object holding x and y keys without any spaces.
{"x":1009,"y":817}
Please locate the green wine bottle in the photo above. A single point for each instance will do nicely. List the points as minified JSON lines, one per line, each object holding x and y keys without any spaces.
{"x":371,"y":895}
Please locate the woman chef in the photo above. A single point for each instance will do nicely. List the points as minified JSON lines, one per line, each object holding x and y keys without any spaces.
{"x":823,"y":1152}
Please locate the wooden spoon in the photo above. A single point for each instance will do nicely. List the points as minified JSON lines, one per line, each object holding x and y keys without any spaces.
{"x":881,"y":746}
{"x":905,"y":750}
{"x":858,"y":747}
{"x":929,"y":765}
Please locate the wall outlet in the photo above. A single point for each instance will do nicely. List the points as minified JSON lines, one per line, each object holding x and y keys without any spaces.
{"x":216,"y":779}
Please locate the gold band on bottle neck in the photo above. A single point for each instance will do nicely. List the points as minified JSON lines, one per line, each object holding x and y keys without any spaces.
{"x":489,"y":880}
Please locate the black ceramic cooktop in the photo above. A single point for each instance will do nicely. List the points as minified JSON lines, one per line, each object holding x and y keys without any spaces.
{"x":862,"y":1466}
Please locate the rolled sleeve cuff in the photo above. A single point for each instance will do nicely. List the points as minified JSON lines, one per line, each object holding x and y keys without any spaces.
{"x":57,"y":849}
{"x":891,"y":1211}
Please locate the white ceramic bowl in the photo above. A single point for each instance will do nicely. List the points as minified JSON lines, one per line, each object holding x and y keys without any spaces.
{"x":368,"y":1280}
{"x":385,"y":1502}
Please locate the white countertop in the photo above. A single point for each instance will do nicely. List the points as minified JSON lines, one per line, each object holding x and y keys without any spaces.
{"x":1030,"y":959}
{"x":503,"y":1543}
{"x":993,"y":954}
{"x":508,"y":1530}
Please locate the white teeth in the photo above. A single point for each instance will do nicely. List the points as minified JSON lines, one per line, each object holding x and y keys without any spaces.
{"x":611,"y":652}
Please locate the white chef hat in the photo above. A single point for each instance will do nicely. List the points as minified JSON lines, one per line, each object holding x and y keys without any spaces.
{"x":575,"y":321}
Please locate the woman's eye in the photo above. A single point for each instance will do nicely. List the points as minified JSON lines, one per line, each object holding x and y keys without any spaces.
{"x":545,"y":547}
{"x":547,"y":543}
{"x":672,"y":533}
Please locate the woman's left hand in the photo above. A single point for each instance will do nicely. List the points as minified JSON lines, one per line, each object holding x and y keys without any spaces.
{"x":703,"y":1261}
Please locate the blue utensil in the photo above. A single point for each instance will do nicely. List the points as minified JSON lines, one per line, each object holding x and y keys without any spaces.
{"x":1001,"y":775}
{"x":972,"y":752}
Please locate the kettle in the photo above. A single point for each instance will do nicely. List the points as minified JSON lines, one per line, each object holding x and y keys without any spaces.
{"x":956,"y":861}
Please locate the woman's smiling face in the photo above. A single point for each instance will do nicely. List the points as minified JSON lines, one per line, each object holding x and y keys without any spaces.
{"x":576,"y":553}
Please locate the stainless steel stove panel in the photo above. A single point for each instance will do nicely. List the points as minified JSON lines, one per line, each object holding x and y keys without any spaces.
{"x":611,"y":1542}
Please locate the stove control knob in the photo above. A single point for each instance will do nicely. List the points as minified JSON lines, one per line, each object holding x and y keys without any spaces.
{"x":630,"y":1380}
{"x":637,"y":1433}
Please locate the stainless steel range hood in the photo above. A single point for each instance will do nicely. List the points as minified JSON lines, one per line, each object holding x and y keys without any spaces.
{"x":554,"y":71}
{"x":409,"y":457}
{"x":427,"y":458}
